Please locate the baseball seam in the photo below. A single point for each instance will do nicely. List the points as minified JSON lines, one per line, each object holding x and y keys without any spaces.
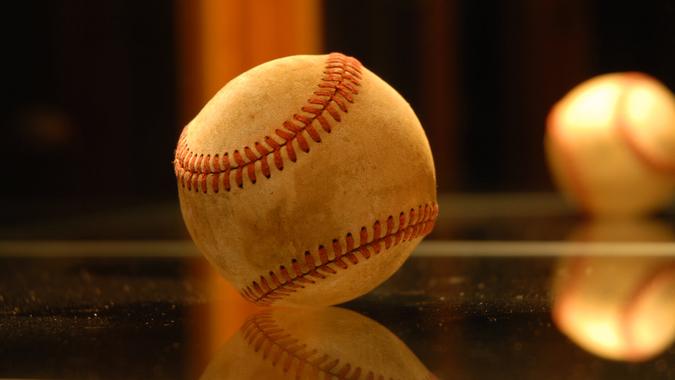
{"x":336,"y":91}
{"x":623,"y":127}
{"x":318,"y":265}
{"x":263,"y":333}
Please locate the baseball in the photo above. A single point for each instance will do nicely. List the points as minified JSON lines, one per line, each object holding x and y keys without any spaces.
{"x":611,"y":144}
{"x":314,"y":343}
{"x":306,"y":180}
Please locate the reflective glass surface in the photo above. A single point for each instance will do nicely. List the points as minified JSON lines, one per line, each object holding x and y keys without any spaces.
{"x":572,"y":299}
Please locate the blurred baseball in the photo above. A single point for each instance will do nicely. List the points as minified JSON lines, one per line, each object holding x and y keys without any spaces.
{"x":306,"y":180}
{"x":611,"y":144}
{"x":617,"y":307}
{"x":314,"y":343}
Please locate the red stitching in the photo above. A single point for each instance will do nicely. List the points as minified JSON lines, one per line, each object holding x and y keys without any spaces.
{"x":317,"y":265}
{"x":264,"y":334}
{"x":336,"y":91}
{"x":623,"y":128}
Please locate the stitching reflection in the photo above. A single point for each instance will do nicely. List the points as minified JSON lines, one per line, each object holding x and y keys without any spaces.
{"x":314,"y":343}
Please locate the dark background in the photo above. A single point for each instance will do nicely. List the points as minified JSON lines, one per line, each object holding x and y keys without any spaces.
{"x":92,"y":106}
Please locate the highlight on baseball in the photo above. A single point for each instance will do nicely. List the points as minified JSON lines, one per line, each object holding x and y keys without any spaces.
{"x":306,"y":180}
{"x":611,"y":145}
{"x":314,"y":343}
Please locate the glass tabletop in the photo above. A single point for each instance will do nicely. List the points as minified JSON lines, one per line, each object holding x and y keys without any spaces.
{"x":598,"y":305}
{"x":514,"y":287}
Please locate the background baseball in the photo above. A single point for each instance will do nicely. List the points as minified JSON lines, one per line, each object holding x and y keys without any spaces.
{"x":611,"y":144}
{"x":306,"y":180}
{"x":314,"y":343}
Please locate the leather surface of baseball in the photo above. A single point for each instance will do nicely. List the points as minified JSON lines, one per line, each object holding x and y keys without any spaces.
{"x":314,"y":343}
{"x":306,"y":180}
{"x":611,"y":144}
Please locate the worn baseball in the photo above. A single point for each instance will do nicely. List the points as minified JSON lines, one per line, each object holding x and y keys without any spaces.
{"x":611,"y":144}
{"x":306,"y":180}
{"x":314,"y":343}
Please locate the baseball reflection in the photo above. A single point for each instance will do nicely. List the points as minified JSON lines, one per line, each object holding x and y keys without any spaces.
{"x":620,"y":308}
{"x":314,"y":343}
